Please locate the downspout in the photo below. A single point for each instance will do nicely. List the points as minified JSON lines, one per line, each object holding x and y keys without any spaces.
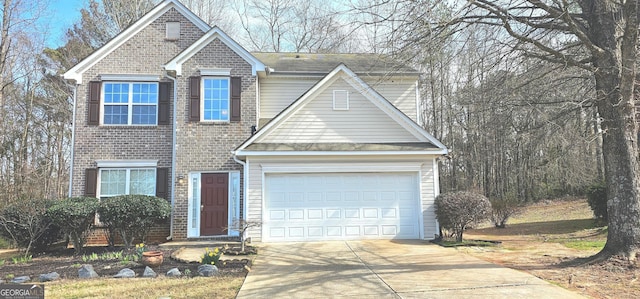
{"x":173,"y":150}
{"x":245,"y":188}
{"x":73,"y":139}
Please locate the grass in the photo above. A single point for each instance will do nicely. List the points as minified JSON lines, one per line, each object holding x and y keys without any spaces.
{"x":569,"y":223}
{"x":197,"y":287}
{"x":584,"y":244}
{"x":479,"y":243}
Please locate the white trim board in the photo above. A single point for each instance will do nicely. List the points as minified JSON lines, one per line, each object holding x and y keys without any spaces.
{"x":215,"y":33}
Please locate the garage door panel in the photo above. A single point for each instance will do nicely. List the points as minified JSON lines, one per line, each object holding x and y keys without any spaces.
{"x":276,"y":215}
{"x":389,"y":213}
{"x":334,"y":231}
{"x":352,"y":231}
{"x":314,"y":196}
{"x":296,"y":232}
{"x":315,"y":232}
{"x":335,"y":206}
{"x":370,"y":213}
{"x":389,"y":230}
{"x":351,"y":196}
{"x":352,"y":213}
{"x":334,"y":213}
{"x":315,"y":213}
{"x":276,"y":233}
{"x":333,"y":196}
{"x":296,"y":214}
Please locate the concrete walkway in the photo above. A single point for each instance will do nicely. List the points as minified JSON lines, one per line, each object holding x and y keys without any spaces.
{"x":385,"y":269}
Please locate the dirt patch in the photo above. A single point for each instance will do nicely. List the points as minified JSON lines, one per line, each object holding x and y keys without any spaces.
{"x":536,"y":242}
{"x":67,"y":265}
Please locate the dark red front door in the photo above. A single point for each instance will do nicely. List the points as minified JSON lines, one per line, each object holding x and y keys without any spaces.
{"x":215,"y":204}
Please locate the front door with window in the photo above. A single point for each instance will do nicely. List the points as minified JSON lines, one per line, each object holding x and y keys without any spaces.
{"x":214,"y":208}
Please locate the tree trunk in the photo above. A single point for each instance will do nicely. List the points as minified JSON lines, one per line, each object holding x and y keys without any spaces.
{"x":621,"y":172}
{"x":616,"y":35}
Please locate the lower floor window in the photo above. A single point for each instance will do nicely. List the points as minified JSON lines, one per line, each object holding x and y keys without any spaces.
{"x":114,"y":182}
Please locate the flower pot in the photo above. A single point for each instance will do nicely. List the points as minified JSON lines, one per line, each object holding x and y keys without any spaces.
{"x":152,"y":258}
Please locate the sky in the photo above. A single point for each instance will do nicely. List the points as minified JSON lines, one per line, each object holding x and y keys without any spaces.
{"x":61,"y":14}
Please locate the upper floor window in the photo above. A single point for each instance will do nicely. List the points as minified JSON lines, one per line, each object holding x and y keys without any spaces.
{"x":215,"y":99}
{"x":130,"y":103}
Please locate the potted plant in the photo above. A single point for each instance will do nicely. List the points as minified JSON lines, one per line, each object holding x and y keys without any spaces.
{"x":151,"y":259}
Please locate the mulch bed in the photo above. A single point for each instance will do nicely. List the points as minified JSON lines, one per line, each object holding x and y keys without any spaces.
{"x":66,"y":264}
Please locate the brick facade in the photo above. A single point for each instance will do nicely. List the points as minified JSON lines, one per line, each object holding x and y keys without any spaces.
{"x":206,"y":147}
{"x":144,"y":54}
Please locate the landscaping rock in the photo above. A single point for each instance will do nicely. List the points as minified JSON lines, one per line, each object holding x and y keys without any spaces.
{"x":86,"y":271}
{"x":174,"y":273}
{"x":207,"y":270}
{"x":21,"y":279}
{"x":148,"y":272}
{"x":49,"y":277}
{"x":125,"y":273}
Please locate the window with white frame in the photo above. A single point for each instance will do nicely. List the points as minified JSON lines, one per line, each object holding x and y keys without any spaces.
{"x":215,"y":99}
{"x":130,"y":103}
{"x":122,"y":181}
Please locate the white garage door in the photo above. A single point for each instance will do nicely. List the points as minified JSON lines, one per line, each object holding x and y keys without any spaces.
{"x":340,"y":206}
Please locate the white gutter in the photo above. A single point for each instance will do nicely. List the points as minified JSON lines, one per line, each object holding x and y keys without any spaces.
{"x":340,"y":153}
{"x":73,"y":139}
{"x":173,"y":151}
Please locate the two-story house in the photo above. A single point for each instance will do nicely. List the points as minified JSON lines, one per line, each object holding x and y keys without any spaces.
{"x":313,"y":146}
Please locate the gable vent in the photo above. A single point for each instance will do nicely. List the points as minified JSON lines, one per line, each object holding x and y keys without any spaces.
{"x":173,"y":30}
{"x":340,"y":100}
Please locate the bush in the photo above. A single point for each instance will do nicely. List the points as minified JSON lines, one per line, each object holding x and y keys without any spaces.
{"x":75,"y":216}
{"x":502,"y":209}
{"x":28,"y":226}
{"x":132,"y":216}
{"x":597,"y":199}
{"x":457,"y":210}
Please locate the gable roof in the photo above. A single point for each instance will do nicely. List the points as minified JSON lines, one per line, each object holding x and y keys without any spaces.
{"x":215,"y":33}
{"x":366,"y":90}
{"x":75,"y":73}
{"x":322,"y":64}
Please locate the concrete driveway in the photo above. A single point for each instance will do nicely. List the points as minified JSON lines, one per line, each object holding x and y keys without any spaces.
{"x":385,"y":269}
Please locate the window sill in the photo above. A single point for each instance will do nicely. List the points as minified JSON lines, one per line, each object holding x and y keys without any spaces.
{"x":130,"y":126}
{"x":211,"y":122}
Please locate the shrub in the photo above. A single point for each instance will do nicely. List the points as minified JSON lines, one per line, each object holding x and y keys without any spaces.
{"x":75,"y":216}
{"x":28,"y":226}
{"x":132,"y":216}
{"x":597,"y":199}
{"x":502,"y":209}
{"x":457,"y":210}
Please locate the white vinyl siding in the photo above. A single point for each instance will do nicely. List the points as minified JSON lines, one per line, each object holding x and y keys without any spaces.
{"x":276,"y":94}
{"x":254,"y":199}
{"x":427,"y":191}
{"x":401,"y":93}
{"x":318,"y":122}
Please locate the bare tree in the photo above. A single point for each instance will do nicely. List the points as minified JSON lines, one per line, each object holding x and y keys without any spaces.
{"x":599,"y":37}
{"x":216,"y":13}
{"x":242,"y":226}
